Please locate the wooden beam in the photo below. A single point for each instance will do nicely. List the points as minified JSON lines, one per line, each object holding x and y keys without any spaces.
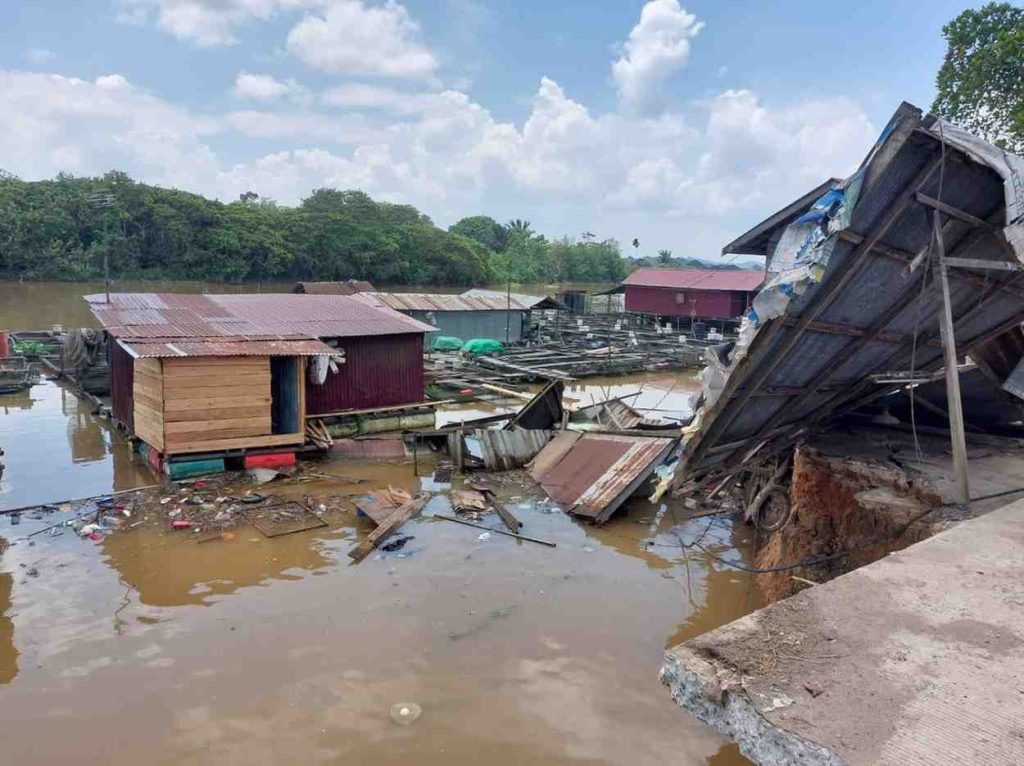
{"x":958,"y":438}
{"x":953,"y":212}
{"x":982,"y":263}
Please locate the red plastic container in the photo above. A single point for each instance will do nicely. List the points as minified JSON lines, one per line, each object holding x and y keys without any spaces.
{"x":5,"y":346}
{"x":181,"y":524}
{"x":271,"y":460}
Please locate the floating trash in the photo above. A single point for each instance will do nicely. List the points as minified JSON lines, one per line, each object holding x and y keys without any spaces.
{"x":405,"y":713}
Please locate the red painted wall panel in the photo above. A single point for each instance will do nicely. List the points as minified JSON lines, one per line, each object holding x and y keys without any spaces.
{"x":707,"y":304}
{"x":122,"y":384}
{"x":378,"y":372}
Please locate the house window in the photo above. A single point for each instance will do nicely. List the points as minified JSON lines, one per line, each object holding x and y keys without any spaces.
{"x":680,"y":297}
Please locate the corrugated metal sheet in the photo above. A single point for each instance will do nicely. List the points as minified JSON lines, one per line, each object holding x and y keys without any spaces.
{"x":151,"y":347}
{"x":530,"y":301}
{"x":815,"y":373}
{"x":444,"y":302}
{"x":255,"y":317}
{"x":378,"y":372}
{"x":592,"y":475}
{"x":697,"y":279}
{"x":506,"y":450}
{"x":350,"y":287}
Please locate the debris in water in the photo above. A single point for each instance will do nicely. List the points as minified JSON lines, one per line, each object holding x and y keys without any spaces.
{"x":405,"y":713}
{"x":181,"y":524}
{"x":396,"y":545}
{"x":485,"y":536}
{"x":263,"y":475}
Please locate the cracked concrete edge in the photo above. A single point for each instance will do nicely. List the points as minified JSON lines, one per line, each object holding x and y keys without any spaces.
{"x":718,"y":699}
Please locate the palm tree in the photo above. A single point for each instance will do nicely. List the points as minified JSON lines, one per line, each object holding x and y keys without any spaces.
{"x":518,"y":226}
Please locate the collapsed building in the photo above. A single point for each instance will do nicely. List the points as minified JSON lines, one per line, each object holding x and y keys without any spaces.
{"x":871,"y":400}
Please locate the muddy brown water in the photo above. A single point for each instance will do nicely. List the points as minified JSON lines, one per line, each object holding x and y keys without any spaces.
{"x":148,"y":647}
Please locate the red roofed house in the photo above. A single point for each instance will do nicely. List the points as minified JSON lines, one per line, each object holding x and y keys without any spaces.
{"x":193,"y":374}
{"x":691,"y":293}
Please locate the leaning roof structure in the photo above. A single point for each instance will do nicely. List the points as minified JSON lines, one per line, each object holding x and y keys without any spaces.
{"x":173,"y":324}
{"x":851,"y":296}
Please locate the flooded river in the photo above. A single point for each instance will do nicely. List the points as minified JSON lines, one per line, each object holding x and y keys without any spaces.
{"x":149,"y":647}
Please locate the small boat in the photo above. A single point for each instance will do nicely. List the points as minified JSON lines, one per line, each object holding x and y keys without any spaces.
{"x":15,"y":374}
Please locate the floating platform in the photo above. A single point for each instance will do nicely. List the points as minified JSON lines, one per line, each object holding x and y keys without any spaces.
{"x":914,"y":659}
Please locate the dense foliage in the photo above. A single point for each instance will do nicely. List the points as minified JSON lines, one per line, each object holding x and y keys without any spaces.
{"x":981,"y":83}
{"x":63,"y":228}
{"x":519,"y":253}
{"x":666,"y":260}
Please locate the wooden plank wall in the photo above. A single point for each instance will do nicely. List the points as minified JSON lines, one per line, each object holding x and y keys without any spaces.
{"x":215,"y":399}
{"x":148,"y":394}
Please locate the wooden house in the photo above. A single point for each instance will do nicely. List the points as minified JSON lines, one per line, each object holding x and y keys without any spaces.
{"x":197,"y":374}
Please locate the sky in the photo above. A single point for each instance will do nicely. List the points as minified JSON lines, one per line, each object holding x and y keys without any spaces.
{"x":681,"y":124}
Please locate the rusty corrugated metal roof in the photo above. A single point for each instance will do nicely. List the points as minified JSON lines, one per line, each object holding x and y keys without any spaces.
{"x":350,"y":287}
{"x":173,"y":347}
{"x":445,"y":302}
{"x":697,"y":279}
{"x":595,"y":473}
{"x":264,"y":317}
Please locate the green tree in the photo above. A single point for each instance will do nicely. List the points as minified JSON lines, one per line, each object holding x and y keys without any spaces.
{"x":482,"y":229}
{"x":981,"y":82}
{"x":665,"y":257}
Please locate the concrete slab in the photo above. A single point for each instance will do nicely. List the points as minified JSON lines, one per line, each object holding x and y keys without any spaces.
{"x":915,"y":659}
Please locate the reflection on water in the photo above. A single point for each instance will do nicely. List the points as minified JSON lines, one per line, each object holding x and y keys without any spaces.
{"x":56,"y":449}
{"x":281,"y":650}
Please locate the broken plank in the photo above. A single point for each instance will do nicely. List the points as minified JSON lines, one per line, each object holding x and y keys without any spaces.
{"x":401,"y":515}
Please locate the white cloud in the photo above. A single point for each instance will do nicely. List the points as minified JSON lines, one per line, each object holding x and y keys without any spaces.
{"x":688,"y":186}
{"x":64,"y":124}
{"x":261,"y":87}
{"x":40,"y":55}
{"x":351,"y":37}
{"x":358,"y":95}
{"x":658,"y":45}
{"x":203,"y":22}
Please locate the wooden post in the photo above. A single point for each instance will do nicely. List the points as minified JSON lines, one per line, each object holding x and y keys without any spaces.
{"x":956,"y":413}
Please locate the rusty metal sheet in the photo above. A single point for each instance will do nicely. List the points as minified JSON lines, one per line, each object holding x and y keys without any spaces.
{"x":598,"y":472}
{"x":613,"y":414}
{"x":697,"y":279}
{"x":263,"y":316}
{"x":446,"y":302}
{"x":552,"y":454}
{"x":621,"y":479}
{"x":507,"y":450}
{"x":351,"y":287}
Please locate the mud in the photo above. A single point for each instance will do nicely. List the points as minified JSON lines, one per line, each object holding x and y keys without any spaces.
{"x":842,"y":505}
{"x":149,"y":645}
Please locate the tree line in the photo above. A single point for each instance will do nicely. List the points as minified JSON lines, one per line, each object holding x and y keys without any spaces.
{"x":62,"y":229}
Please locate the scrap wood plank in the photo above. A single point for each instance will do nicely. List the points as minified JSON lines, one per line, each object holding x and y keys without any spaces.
{"x":380,"y":504}
{"x":401,"y":515}
{"x":509,"y":520}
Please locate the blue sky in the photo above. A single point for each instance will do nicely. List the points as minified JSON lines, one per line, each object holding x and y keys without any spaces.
{"x":678,"y":123}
